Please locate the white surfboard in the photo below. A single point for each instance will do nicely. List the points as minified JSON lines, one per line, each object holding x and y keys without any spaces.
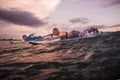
{"x":44,"y":42}
{"x":53,"y":41}
{"x":63,"y":40}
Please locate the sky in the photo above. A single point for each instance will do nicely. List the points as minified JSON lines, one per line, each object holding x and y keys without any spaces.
{"x":19,"y":17}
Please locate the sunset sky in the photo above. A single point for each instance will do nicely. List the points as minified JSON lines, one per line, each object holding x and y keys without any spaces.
{"x":18,"y":17}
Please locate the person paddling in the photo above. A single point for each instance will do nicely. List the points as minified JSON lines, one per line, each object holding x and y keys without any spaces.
{"x":30,"y":37}
{"x":95,"y":30}
{"x":63,"y":35}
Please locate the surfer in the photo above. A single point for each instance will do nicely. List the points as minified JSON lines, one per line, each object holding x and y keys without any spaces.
{"x":30,"y":37}
{"x":94,"y":30}
{"x":56,"y":35}
{"x":64,"y":35}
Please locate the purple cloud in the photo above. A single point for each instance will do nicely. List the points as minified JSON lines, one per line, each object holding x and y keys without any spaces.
{"x":97,"y":26}
{"x":117,"y":25}
{"x":111,"y":3}
{"x":79,"y":20}
{"x":47,"y":18}
{"x":20,"y":18}
{"x":103,"y":26}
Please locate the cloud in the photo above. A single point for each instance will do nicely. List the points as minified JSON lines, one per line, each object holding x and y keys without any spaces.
{"x":79,"y":20}
{"x":20,"y":17}
{"x":117,"y":25}
{"x":108,"y":3}
{"x":46,"y":18}
{"x":102,"y":26}
{"x":97,"y":26}
{"x":41,"y":8}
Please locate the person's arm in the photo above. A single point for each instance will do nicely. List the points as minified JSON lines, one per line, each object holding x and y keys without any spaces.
{"x":32,"y":34}
{"x":57,"y":37}
{"x":48,"y":35}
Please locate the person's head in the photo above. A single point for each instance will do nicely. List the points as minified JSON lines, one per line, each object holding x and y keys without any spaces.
{"x":55,"y":31}
{"x":24,"y":37}
{"x":91,"y":28}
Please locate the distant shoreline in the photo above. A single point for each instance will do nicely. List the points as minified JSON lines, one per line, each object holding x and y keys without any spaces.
{"x":10,"y":39}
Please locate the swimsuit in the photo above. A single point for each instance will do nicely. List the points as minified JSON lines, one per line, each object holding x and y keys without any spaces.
{"x":66,"y":36}
{"x":32,"y":38}
{"x":75,"y":34}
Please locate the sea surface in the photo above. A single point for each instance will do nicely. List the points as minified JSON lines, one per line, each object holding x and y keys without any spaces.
{"x":96,"y":58}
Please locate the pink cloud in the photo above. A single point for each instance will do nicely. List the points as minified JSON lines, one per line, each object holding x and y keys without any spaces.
{"x":108,"y":3}
{"x":20,"y":18}
{"x":79,"y":20}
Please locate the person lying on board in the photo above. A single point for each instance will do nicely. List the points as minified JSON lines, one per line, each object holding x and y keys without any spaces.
{"x":30,"y":37}
{"x":64,"y":35}
{"x":94,"y":30}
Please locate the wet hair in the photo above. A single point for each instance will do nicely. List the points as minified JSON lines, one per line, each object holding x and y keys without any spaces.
{"x":24,"y":36}
{"x":56,"y":30}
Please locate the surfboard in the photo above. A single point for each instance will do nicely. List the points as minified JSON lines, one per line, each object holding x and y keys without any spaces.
{"x":44,"y":42}
{"x":53,"y":41}
{"x":61,"y":40}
